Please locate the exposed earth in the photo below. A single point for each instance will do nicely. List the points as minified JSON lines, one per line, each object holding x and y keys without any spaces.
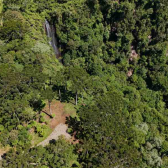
{"x":58,"y":131}
{"x":57,"y":124}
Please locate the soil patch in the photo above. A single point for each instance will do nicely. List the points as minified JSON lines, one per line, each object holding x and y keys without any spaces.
{"x":60,"y":130}
{"x":3,"y":151}
{"x":60,"y":111}
{"x":57,"y":109}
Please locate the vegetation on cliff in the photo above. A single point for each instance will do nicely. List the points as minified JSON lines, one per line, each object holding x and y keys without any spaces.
{"x":113,"y":65}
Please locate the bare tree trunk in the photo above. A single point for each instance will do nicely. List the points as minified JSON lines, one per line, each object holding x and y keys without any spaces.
{"x":76,"y":98}
{"x":82,"y":98}
{"x":60,"y":94}
{"x":50,"y":111}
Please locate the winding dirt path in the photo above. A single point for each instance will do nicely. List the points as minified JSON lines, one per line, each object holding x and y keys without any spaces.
{"x":57,"y":124}
{"x":58,"y":131}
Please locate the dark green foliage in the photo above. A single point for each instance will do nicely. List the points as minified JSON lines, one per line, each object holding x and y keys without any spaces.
{"x":14,"y":26}
{"x":106,"y":134}
{"x":114,"y":61}
{"x":55,"y":155}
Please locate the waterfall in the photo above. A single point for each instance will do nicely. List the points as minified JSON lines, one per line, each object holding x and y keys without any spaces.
{"x":51,"y":34}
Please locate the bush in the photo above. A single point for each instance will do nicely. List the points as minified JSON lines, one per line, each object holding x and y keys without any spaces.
{"x":1,"y":128}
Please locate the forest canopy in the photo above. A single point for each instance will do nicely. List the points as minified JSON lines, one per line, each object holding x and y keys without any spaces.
{"x":112,"y":65}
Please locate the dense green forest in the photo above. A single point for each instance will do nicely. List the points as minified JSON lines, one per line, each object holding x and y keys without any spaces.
{"x":113,"y":65}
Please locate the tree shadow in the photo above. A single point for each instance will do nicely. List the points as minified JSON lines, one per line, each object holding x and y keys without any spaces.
{"x":53,"y":141}
{"x":66,"y":95}
{"x":47,"y":114}
{"x":37,"y":105}
{"x":73,"y":124}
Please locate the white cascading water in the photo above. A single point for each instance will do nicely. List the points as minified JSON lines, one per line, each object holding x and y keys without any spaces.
{"x":51,"y":34}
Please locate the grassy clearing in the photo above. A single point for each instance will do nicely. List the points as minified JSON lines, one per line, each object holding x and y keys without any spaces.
{"x":36,"y":139}
{"x":67,"y":109}
{"x":70,"y":109}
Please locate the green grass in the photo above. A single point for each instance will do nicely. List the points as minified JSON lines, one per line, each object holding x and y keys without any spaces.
{"x":70,"y":109}
{"x":36,"y":139}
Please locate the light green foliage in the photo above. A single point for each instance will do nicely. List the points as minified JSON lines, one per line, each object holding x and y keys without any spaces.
{"x":14,"y":26}
{"x":42,"y":118}
{"x":39,"y":128}
{"x":69,"y":109}
{"x":1,"y":6}
{"x":57,"y":154}
{"x":1,"y":128}
{"x":107,"y":46}
{"x":41,"y":48}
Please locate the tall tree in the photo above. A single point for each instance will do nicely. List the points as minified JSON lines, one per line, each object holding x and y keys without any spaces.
{"x":78,"y":78}
{"x":106,"y":134}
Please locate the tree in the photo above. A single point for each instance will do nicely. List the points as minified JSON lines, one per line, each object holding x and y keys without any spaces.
{"x":59,"y":81}
{"x":49,"y":95}
{"x":57,"y":154}
{"x":77,"y":77}
{"x":13,"y":27}
{"x":61,"y":154}
{"x":106,"y":134}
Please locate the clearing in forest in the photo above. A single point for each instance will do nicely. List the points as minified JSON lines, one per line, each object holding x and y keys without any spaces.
{"x":57,"y":124}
